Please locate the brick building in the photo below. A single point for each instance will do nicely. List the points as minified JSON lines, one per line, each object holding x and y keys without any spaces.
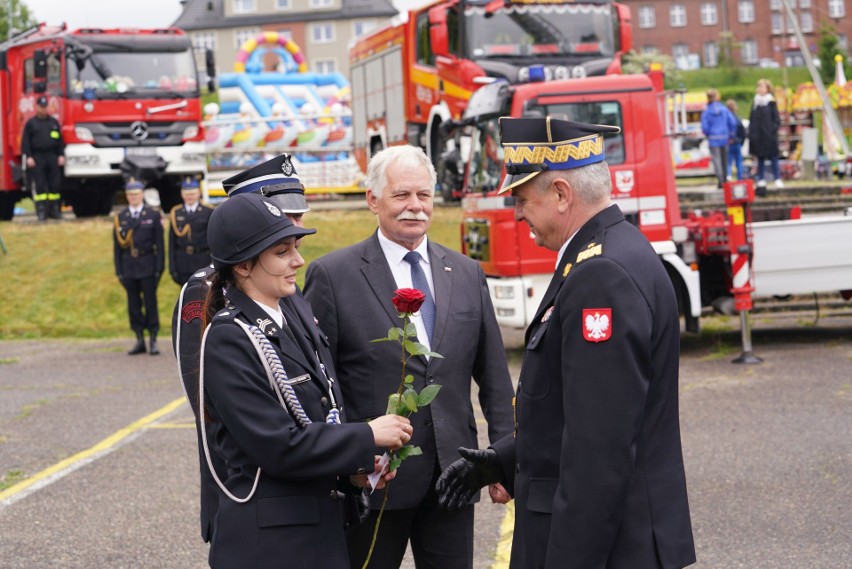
{"x":692,"y":30}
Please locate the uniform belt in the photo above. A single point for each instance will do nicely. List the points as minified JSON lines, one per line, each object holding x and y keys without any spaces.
{"x":135,"y":252}
{"x":190,"y":250}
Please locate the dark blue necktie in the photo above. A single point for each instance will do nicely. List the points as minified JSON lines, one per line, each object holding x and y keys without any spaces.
{"x":418,"y":280}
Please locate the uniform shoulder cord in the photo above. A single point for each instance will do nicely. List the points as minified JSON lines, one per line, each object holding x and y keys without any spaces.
{"x":123,"y":242}
{"x":185,"y":231}
{"x":278,"y":381}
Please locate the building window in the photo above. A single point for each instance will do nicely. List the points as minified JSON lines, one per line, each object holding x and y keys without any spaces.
{"x":836,"y":8}
{"x":776,"y":23}
{"x":677,"y":15}
{"x":680,"y":50}
{"x":804,"y":4}
{"x":806,"y":20}
{"x":774,"y":4}
{"x":649,"y":49}
{"x":244,"y":6}
{"x":749,"y":51}
{"x":286,"y":34}
{"x":241,"y":36}
{"x":843,"y":41}
{"x":322,"y":3}
{"x":647,"y":17}
{"x":745,"y":11}
{"x":282,"y":4}
{"x":359,"y":28}
{"x":204,"y":40}
{"x":709,"y":15}
{"x":322,"y":33}
{"x":711,"y":54}
{"x":325,"y":66}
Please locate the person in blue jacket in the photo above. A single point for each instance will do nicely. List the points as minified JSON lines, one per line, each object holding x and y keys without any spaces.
{"x":735,"y":149}
{"x":720,"y":127}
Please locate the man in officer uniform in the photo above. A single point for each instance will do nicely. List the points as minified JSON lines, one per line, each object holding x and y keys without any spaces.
{"x":277,"y":179}
{"x":188,"y":249}
{"x":42,"y":144}
{"x":139,"y":261}
{"x":595,"y":464}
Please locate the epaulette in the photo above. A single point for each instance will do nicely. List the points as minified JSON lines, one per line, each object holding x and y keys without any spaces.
{"x":592,"y":250}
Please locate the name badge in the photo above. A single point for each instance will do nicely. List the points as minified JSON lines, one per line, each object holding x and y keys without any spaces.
{"x":299,"y":379}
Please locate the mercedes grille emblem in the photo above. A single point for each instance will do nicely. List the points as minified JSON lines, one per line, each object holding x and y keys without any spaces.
{"x":139,"y":130}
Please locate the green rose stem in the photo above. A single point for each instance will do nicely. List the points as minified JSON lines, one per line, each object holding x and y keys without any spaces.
{"x":406,"y":400}
{"x":404,"y":361}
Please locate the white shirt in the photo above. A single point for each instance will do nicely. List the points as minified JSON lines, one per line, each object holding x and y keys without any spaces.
{"x":275,"y":313}
{"x":562,"y":250}
{"x":135,"y":212}
{"x":191,"y":208}
{"x":401,"y":271}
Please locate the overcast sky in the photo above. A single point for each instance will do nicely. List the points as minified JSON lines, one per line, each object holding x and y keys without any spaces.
{"x":105,"y":13}
{"x":126,"y":13}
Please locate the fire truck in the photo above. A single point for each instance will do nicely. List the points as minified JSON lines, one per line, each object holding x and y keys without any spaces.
{"x":128,"y":102}
{"x":714,"y":258}
{"x":414,"y":76}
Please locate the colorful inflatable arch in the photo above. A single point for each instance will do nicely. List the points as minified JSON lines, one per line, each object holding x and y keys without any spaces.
{"x":287,"y":46}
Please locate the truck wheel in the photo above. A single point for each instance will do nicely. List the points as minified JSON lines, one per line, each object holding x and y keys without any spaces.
{"x":7,"y":206}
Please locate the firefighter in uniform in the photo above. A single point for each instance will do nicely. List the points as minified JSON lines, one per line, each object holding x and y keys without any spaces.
{"x":139,"y":261}
{"x":188,"y":249}
{"x":42,"y":144}
{"x":595,"y":463}
{"x":276,"y":179}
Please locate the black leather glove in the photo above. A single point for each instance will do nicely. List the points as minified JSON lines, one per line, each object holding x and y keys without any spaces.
{"x":120,"y":279}
{"x":461,"y":480}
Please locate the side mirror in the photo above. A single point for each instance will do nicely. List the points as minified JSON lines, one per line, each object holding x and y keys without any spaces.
{"x":210,"y":62}
{"x":438,"y":33}
{"x":40,"y":64}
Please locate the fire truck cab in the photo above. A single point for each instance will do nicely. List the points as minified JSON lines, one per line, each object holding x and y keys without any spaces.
{"x":127,"y":100}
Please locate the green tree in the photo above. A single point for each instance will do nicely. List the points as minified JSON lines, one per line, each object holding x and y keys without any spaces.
{"x":827,"y":47}
{"x":22,"y":17}
{"x":640,"y":62}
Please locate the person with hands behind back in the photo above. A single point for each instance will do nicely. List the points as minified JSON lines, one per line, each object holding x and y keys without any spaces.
{"x":275,"y":414}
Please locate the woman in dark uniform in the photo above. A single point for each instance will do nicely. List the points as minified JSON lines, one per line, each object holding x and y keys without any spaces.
{"x":274,"y":410}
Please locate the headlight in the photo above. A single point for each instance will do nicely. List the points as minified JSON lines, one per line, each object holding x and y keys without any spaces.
{"x":506,"y":312}
{"x":560,"y":72}
{"x":84,"y":134}
{"x":190,"y":132}
{"x":504,"y":292}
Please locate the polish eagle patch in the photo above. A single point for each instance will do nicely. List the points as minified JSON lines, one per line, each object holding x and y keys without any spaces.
{"x":597,"y":324}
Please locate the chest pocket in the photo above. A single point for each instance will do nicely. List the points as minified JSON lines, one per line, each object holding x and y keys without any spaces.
{"x":536,"y":383}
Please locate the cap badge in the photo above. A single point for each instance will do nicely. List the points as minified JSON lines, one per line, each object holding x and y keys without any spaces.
{"x":287,"y":167}
{"x":272,"y":209}
{"x":597,"y":324}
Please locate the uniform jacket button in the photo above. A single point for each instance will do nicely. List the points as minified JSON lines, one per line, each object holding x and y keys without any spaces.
{"x":360,"y":471}
{"x":428,"y":422}
{"x":333,"y":495}
{"x":430,"y":379}
{"x":324,"y":401}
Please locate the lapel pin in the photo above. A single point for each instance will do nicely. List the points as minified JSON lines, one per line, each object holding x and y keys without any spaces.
{"x":448,"y":269}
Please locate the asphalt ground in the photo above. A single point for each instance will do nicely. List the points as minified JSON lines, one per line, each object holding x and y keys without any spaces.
{"x":104,"y":454}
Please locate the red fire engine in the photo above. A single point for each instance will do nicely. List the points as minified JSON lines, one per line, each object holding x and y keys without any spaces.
{"x":417,"y":73}
{"x":127,"y":100}
{"x":710,"y":256}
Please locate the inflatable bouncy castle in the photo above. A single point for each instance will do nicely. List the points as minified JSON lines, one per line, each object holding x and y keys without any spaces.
{"x":271,"y":104}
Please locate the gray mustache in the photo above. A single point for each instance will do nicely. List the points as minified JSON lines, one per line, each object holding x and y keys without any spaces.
{"x":406,"y":215}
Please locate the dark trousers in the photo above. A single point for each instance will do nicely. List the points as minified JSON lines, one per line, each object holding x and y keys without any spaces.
{"x":439,"y":539}
{"x":46,"y":173}
{"x":137,"y":289}
{"x":719,"y":155}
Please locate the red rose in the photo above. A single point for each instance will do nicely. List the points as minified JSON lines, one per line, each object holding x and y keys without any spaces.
{"x":408,"y":300}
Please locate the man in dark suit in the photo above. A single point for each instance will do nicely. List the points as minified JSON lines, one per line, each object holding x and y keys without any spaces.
{"x":188,"y":249}
{"x":595,"y":465}
{"x":139,"y":261}
{"x":350,"y":291}
{"x":277,"y":179}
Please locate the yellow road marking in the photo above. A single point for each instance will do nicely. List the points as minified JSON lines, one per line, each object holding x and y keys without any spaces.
{"x":504,"y":545}
{"x":172,"y":426}
{"x":69,"y":463}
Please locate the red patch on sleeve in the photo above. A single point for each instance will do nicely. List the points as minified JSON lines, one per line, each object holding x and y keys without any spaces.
{"x":597,"y":324}
{"x":191,"y":311}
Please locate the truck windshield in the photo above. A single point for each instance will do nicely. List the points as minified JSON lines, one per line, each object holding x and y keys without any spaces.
{"x":596,"y":112}
{"x":533,"y":29}
{"x":122,"y":74}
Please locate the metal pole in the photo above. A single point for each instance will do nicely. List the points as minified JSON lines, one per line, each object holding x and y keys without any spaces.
{"x":747,"y":357}
{"x":833,"y":121}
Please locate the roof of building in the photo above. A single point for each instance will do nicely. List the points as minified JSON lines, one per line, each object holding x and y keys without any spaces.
{"x":210,"y":14}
